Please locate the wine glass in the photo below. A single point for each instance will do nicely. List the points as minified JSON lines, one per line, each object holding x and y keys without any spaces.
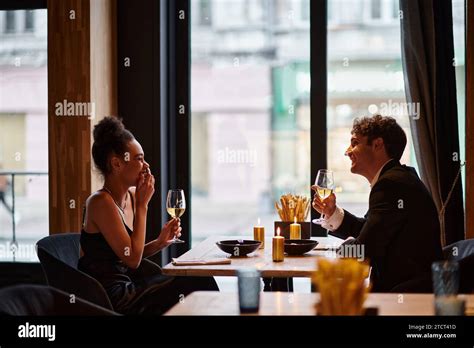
{"x":175,"y":206}
{"x":324,"y":186}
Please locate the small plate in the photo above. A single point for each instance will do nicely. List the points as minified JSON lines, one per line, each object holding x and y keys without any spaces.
{"x":299,"y":246}
{"x":238,"y":247}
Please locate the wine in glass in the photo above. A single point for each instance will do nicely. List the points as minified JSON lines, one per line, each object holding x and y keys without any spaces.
{"x":324,"y":186}
{"x":175,"y":206}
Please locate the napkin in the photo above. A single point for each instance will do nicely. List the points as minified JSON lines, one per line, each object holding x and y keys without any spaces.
{"x":221,"y":261}
{"x":322,"y":247}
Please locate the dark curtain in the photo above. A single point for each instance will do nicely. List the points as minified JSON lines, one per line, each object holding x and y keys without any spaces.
{"x":428,"y":64}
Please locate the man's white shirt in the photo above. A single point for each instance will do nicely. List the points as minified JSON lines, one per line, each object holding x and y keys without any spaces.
{"x":335,"y":220}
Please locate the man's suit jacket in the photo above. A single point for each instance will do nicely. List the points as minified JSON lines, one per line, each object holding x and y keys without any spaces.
{"x":400,"y":232}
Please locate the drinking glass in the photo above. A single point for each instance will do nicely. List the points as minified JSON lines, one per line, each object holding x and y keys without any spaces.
{"x":324,"y":186}
{"x":249,"y":285}
{"x":175,"y":206}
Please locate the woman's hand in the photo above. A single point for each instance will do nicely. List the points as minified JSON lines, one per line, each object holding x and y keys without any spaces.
{"x":170,"y":230}
{"x":327,"y":206}
{"x":145,"y":189}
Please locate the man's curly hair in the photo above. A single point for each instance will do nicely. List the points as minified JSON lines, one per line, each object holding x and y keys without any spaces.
{"x":384,"y":127}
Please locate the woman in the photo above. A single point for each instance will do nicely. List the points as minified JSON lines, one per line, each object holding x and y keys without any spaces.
{"x":113,"y":234}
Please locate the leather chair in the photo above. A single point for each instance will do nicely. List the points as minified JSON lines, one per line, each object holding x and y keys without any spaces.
{"x":463,"y":252}
{"x":59,"y":256}
{"x":32,"y":300}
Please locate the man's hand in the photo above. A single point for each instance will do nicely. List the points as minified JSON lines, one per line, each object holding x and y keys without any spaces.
{"x":326,"y":207}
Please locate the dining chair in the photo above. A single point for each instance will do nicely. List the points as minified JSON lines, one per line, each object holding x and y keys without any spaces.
{"x":59,"y":256}
{"x":463,"y":252}
{"x":33,"y":300}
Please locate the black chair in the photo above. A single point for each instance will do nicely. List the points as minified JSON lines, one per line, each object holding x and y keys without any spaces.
{"x":463,"y":252}
{"x":59,"y":256}
{"x":420,"y":285}
{"x":27,"y":299}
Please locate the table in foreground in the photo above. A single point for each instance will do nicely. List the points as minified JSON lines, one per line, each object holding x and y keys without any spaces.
{"x":283,"y":303}
{"x":292,"y":266}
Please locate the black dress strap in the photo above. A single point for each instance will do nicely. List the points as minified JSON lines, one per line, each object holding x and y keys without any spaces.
{"x":83,"y":214}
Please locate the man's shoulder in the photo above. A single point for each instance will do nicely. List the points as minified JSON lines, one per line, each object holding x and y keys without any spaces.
{"x":399,"y":178}
{"x":400,"y":173}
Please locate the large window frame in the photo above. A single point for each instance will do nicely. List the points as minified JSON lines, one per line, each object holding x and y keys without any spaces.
{"x":171,"y":92}
{"x":19,"y":5}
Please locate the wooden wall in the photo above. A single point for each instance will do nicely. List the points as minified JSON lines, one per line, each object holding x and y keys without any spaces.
{"x":103,"y":60}
{"x":74,"y":36}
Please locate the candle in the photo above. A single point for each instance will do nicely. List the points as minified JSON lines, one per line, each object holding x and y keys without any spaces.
{"x":295,"y":230}
{"x":259,"y":234}
{"x":278,"y":247}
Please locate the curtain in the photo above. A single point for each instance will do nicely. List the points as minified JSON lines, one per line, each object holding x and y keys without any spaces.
{"x":430,"y":84}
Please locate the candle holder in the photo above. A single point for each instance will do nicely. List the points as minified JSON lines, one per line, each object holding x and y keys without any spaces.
{"x":285,"y":229}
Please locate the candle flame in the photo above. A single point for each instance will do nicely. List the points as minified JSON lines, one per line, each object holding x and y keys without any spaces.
{"x":278,"y":231}
{"x":295,"y":219}
{"x":258,"y":222}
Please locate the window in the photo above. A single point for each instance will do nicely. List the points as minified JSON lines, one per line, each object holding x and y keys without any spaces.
{"x":379,"y":11}
{"x":205,"y":13}
{"x":376,"y":9}
{"x":250,"y":122}
{"x":362,"y":81}
{"x":10,"y":21}
{"x":304,"y":8}
{"x":29,"y":20}
{"x":23,"y":134}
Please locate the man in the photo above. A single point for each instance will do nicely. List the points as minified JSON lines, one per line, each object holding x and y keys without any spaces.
{"x":400,"y":232}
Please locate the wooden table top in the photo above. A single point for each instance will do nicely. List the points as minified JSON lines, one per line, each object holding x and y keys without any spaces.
{"x":292,"y":266}
{"x":288,"y":303}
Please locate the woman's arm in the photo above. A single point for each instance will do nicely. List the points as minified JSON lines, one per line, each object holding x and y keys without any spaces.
{"x":107,"y":218}
{"x":170,"y":229}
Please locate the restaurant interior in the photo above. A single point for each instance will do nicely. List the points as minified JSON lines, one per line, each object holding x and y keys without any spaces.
{"x":268,"y":158}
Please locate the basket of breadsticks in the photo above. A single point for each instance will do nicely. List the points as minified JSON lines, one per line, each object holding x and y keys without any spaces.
{"x":293,"y":209}
{"x":343,"y":286}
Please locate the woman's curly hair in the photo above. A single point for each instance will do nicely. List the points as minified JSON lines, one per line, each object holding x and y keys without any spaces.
{"x":110,"y":138}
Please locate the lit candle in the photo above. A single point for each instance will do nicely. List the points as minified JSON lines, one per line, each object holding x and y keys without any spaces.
{"x":295,"y":230}
{"x":278,"y":247}
{"x":259,"y":234}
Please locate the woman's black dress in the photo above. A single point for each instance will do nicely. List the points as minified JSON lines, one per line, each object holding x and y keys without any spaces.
{"x":144,"y":290}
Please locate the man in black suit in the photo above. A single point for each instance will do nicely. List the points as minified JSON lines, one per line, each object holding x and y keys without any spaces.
{"x":400,"y":233}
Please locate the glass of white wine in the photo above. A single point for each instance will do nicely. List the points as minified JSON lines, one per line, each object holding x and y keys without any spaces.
{"x":175,"y":206}
{"x":324,"y":186}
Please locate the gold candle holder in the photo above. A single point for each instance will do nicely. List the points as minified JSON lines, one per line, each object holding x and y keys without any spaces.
{"x":295,"y":230}
{"x":278,"y":250}
{"x":259,"y":234}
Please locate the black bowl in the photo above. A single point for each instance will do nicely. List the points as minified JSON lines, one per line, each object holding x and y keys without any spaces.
{"x":238,"y":247}
{"x":299,"y":246}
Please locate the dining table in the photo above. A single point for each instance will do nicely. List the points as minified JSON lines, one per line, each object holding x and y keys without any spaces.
{"x":302,"y":304}
{"x":292,"y":266}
